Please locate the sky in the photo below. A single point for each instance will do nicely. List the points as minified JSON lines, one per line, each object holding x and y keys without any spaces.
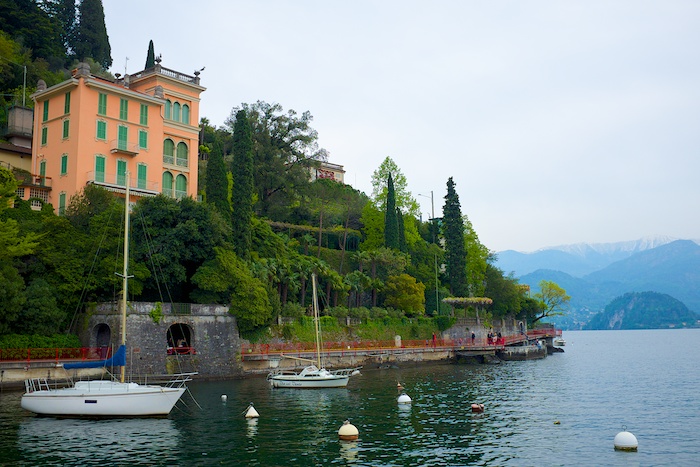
{"x":560,"y":122}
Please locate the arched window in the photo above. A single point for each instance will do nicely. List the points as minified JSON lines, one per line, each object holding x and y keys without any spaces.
{"x":180,"y":186}
{"x":176,"y":111}
{"x":168,"y":109}
{"x":167,"y":188}
{"x":168,"y":151}
{"x":186,"y":114}
{"x":182,"y":154}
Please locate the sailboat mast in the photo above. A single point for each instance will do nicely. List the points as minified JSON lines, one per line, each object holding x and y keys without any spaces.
{"x":314,"y":301}
{"x":125,"y":277}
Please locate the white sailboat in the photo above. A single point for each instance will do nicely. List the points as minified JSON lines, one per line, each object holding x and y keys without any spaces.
{"x":312,"y":376}
{"x":106,"y":398}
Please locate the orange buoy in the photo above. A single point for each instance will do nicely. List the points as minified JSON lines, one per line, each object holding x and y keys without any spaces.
{"x":477,"y":408}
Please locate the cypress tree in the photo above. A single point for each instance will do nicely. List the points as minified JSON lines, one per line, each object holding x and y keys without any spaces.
{"x":242,"y":194}
{"x":217,"y":182}
{"x":402,"y":232}
{"x":455,"y":253}
{"x":391,"y":224}
{"x":151,"y":57}
{"x":92,"y":40}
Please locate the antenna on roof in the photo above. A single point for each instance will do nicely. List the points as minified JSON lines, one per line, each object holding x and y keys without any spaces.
{"x":125,"y":62}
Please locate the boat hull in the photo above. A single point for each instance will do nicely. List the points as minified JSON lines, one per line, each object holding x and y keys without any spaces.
{"x":103,"y":399}
{"x":284,"y":381}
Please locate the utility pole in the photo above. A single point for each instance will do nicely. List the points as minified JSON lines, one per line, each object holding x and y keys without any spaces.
{"x":433,"y":228}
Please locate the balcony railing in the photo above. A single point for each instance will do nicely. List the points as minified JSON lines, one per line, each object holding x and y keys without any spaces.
{"x":117,"y":182}
{"x":124,"y":147}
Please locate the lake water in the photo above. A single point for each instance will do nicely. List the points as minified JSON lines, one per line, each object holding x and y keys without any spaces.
{"x":648,"y":381}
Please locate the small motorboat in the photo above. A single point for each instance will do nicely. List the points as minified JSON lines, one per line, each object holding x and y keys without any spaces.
{"x":559,"y":342}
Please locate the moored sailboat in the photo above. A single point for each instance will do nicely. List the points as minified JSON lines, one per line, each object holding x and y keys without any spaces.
{"x":106,"y":398}
{"x":314,"y":375}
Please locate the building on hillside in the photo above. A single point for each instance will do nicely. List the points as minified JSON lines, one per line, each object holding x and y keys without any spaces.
{"x":91,"y":130}
{"x":330,"y":171}
{"x":16,"y":155}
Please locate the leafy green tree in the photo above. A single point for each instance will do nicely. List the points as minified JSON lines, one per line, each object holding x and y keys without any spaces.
{"x":453,"y":232}
{"x":404,"y":293}
{"x":150,"y":56}
{"x":227,"y":279}
{"x":554,"y":300}
{"x":64,"y":12}
{"x":373,"y":227}
{"x":285,"y":149}
{"x":41,"y":314}
{"x":34,"y":28}
{"x":505,"y":292}
{"x":92,"y":40}
{"x":242,"y":195}
{"x":391,"y":223}
{"x":217,"y":190}
{"x":173,"y":238}
{"x":403,"y":198}
{"x":477,"y":257}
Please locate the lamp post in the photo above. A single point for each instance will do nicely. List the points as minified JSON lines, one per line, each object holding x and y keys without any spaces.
{"x":432,"y":228}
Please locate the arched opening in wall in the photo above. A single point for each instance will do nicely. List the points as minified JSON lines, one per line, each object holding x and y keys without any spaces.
{"x":103,"y":338}
{"x":179,"y":338}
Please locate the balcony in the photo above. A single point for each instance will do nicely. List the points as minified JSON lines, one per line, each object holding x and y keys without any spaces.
{"x":124,"y":147}
{"x":117,"y":183}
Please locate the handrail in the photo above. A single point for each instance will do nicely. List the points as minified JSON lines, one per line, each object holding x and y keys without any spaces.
{"x":55,"y":354}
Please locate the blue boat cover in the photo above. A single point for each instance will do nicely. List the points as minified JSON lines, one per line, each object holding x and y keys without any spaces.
{"x":118,"y":359}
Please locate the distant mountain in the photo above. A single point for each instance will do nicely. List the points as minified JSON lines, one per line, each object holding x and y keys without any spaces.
{"x":578,"y":259}
{"x":644,"y":310}
{"x":672,"y":268}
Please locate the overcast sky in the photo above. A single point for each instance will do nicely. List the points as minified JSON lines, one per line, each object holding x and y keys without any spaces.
{"x":560,"y":121}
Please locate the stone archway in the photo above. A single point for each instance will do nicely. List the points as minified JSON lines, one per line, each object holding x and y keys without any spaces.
{"x":103,"y":338}
{"x":180,"y":339}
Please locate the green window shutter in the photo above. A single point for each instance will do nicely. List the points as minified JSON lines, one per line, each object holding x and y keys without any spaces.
{"x":66,"y":105}
{"x":168,"y":151}
{"x":42,"y":168}
{"x":100,"y":169}
{"x":46,"y":111}
{"x":102,"y":104}
{"x":168,"y":109}
{"x":167,"y":188}
{"x":186,"y":114}
{"x":121,"y":173}
{"x":44,"y":135}
{"x":122,"y":137}
{"x":124,"y":109}
{"x":143,"y":139}
{"x":64,"y":164}
{"x":61,"y":204}
{"x":66,"y":128}
{"x":176,"y":111}
{"x":141,"y":173}
{"x":144,"y":115}
{"x":101,"y":129}
{"x":180,"y":186}
{"x":182,"y":154}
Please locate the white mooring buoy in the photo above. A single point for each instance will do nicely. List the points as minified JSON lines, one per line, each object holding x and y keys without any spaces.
{"x":404,"y":399}
{"x":348,"y":432}
{"x":224,"y":398}
{"x":251,"y":412}
{"x":625,"y":441}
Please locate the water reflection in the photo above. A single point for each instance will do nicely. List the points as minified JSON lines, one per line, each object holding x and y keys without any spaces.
{"x":43,"y":441}
{"x":349,"y":451}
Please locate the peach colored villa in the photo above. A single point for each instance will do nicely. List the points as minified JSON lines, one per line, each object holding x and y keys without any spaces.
{"x":90,"y":130}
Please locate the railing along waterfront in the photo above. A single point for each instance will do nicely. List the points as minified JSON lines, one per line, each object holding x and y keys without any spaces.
{"x":346,"y":348}
{"x":54,"y":354}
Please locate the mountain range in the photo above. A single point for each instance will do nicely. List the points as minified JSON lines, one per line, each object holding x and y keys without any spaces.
{"x":595,"y":274}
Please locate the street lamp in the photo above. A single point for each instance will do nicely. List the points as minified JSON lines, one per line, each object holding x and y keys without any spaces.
{"x":432,"y":227}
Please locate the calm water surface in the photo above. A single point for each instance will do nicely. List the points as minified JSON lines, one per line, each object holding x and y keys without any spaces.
{"x":647,"y":381}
